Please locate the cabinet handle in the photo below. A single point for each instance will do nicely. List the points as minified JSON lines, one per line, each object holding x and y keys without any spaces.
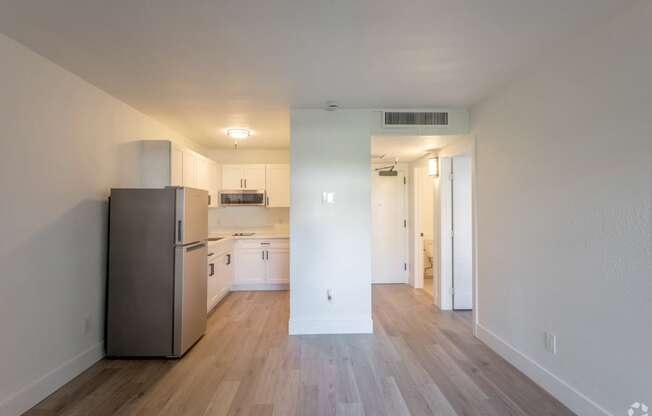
{"x":267,"y":254}
{"x":263,"y":253}
{"x":228,"y":259}
{"x":245,"y":183}
{"x":265,"y":244}
{"x":212,"y":269}
{"x":267,"y":200}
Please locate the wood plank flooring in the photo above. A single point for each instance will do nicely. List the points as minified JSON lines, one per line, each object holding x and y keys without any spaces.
{"x":420,"y":361}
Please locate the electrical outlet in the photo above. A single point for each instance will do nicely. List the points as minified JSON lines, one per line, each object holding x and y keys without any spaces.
{"x":551,"y":342}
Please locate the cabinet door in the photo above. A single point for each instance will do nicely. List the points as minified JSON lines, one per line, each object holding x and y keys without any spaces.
{"x":277,"y":265}
{"x":228,"y":270}
{"x":189,"y":169}
{"x":176,"y":166}
{"x":254,"y":176}
{"x":249,"y":266}
{"x":278,"y":185}
{"x":213,"y":183}
{"x":203,"y":179}
{"x":232,"y":177}
{"x":212,"y":286}
{"x":223,"y":281}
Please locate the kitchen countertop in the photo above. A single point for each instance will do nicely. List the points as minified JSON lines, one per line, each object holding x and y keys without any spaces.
{"x":264,"y":234}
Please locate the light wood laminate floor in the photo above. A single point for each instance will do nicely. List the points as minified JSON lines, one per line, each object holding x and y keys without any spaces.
{"x":420,"y":361}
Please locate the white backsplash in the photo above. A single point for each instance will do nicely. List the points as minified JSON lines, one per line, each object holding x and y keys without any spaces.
{"x":236,"y":218}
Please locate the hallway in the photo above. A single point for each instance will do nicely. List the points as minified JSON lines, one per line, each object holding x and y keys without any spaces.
{"x":419,"y":362}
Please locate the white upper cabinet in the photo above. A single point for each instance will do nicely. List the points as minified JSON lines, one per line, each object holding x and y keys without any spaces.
{"x":232,"y":177}
{"x":189,"y":169}
{"x":278,"y":185}
{"x":176,"y":166}
{"x":167,"y":164}
{"x":243,"y":177}
{"x":254,"y":176}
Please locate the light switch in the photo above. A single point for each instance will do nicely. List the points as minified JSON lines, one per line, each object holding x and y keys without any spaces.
{"x":328,"y":198}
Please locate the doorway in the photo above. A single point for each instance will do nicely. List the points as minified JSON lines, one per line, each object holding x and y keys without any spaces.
{"x":389,"y":224}
{"x":426,"y":253}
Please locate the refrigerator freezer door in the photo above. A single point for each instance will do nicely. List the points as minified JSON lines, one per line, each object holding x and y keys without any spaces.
{"x":190,"y":296}
{"x":192,"y":216}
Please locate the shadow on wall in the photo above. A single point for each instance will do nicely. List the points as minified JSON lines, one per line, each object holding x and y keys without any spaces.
{"x":51,"y":278}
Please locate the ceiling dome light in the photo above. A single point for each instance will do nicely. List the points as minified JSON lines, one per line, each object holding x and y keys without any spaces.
{"x":238,"y":134}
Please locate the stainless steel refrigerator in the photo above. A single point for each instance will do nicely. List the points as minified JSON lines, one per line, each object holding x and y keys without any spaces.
{"x":156,"y":287}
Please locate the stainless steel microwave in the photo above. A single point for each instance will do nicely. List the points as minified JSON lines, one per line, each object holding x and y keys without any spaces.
{"x":242,"y":197}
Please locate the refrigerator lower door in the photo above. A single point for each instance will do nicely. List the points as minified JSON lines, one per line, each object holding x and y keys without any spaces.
{"x":192,"y":215}
{"x":190,"y":296}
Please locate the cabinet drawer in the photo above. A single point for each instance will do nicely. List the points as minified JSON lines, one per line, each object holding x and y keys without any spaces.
{"x":264,"y":243}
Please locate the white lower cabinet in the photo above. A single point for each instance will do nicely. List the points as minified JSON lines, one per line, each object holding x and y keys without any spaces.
{"x":220,"y":273}
{"x":249,"y":265}
{"x":261,"y":264}
{"x":277,"y":265}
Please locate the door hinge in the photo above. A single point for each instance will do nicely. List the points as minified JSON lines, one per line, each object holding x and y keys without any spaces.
{"x":404,"y":223}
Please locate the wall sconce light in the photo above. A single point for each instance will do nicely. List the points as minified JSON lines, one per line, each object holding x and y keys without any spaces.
{"x":433,"y":167}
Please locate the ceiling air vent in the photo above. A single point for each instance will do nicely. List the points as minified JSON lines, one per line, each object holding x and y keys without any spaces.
{"x":414,"y":118}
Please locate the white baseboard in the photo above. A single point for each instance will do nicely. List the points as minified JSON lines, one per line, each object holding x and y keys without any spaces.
{"x":30,"y":395}
{"x":334,"y":326}
{"x":558,"y":388}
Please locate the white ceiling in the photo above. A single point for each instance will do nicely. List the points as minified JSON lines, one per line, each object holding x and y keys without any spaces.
{"x":202,"y":66}
{"x":406,"y":148}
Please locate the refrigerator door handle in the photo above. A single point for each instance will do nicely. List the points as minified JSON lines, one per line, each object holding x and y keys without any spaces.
{"x":179,"y":230}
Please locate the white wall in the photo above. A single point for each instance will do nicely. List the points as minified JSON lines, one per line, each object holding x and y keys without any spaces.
{"x":330,"y":244}
{"x":225,"y":156}
{"x":257,"y":217}
{"x":564,"y":169}
{"x":63,"y":144}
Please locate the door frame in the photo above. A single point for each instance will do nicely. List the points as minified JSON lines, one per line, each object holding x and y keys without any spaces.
{"x":417,"y":260}
{"x":402,"y":170}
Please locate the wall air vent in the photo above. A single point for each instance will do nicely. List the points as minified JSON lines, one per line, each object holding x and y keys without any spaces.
{"x":415,"y":119}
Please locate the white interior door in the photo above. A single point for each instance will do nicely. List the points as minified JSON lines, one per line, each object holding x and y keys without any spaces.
{"x":462,"y":234}
{"x":389,"y":229}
